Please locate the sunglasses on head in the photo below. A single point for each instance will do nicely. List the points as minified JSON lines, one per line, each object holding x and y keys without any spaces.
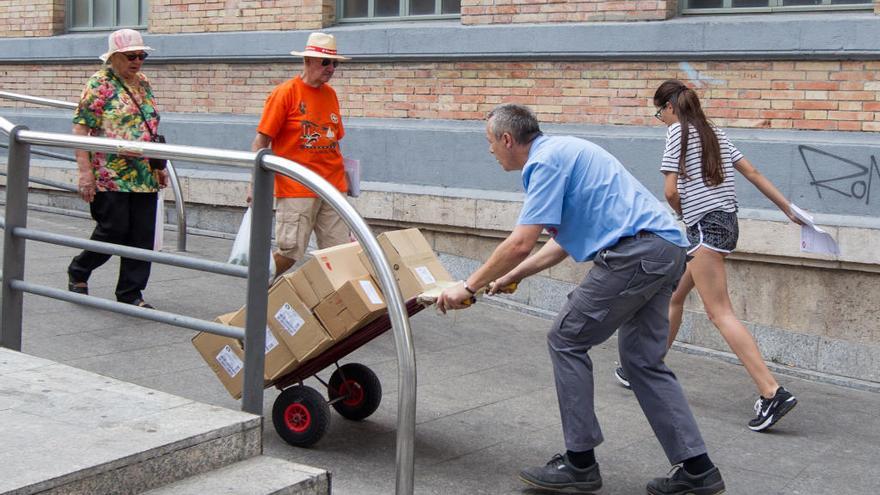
{"x":134,"y":56}
{"x":326,"y":61}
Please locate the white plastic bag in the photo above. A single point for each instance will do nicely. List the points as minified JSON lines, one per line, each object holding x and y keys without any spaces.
{"x":159,"y":233}
{"x":240,"y":254}
{"x":353,"y":174}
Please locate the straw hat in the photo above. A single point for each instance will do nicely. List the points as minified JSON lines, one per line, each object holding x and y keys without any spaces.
{"x":320,"y":45}
{"x":124,"y":40}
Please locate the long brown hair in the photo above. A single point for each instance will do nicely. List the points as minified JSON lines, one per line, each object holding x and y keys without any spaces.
{"x":689,"y":112}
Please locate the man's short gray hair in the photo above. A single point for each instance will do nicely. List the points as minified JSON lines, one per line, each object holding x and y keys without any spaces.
{"x":516,"y":120}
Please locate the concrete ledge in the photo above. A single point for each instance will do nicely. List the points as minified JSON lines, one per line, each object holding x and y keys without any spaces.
{"x":826,"y":35}
{"x":261,"y":475}
{"x":67,"y":430}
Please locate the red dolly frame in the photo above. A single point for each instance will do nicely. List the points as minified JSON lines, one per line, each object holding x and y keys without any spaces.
{"x":300,"y":414}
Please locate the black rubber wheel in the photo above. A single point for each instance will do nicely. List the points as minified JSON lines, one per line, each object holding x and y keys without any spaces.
{"x":301,"y":416}
{"x":360,"y":388}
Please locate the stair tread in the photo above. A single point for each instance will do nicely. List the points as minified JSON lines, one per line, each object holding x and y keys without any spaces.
{"x":260,"y":475}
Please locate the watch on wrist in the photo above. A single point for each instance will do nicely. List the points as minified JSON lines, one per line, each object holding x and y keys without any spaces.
{"x":467,"y":288}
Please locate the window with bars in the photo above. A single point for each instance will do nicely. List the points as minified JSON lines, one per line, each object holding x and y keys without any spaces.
{"x":384,"y":10}
{"x":104,"y":15}
{"x":716,"y":6}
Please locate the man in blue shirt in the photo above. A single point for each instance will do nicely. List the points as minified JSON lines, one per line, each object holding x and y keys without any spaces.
{"x":594,"y":209}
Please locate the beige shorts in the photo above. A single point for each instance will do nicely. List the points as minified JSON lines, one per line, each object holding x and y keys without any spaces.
{"x":296,"y":218}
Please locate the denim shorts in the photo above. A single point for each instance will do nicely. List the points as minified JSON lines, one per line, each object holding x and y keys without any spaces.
{"x":717,"y":230}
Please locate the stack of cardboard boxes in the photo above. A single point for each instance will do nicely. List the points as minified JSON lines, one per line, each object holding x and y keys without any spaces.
{"x":328,"y":298}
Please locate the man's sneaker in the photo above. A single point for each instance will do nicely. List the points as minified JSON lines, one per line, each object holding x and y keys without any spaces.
{"x":769,"y":411}
{"x":621,"y":377}
{"x":560,"y":475}
{"x":680,"y":482}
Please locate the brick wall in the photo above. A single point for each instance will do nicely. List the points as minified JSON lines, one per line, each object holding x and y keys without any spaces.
{"x":31,"y":18}
{"x":841,"y":96}
{"x":196,"y":16}
{"x":538,"y":11}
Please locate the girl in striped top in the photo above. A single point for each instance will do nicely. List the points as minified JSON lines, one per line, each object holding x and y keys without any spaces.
{"x":699,"y":185}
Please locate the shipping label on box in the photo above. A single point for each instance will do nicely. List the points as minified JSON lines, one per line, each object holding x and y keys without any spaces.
{"x":355,"y":304}
{"x":279,"y":359}
{"x":229,"y":361}
{"x":224,"y":355}
{"x":415,"y":265}
{"x":294,"y":323}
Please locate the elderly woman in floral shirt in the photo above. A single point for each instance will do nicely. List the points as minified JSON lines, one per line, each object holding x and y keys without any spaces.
{"x":118,"y":103}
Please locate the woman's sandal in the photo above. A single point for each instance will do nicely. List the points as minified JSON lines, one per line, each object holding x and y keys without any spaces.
{"x":142,"y":304}
{"x":78,"y":287}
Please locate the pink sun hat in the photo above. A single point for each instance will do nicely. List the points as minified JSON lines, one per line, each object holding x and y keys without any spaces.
{"x":124,"y":40}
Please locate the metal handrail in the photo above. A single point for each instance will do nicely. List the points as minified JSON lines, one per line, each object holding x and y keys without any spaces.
{"x":179,"y":203}
{"x":264,"y":166}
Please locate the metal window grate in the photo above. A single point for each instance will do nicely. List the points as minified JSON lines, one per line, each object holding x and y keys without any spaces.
{"x":104,"y":15}
{"x":390,"y":10}
{"x":741,"y":6}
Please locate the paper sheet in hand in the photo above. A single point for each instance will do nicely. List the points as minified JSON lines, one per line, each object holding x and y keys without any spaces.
{"x":430,"y":296}
{"x":814,"y":239}
{"x":353,"y":174}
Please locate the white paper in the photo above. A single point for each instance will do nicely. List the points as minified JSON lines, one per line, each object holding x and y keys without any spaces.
{"x":813,"y":238}
{"x":271,"y":341}
{"x":353,"y":175}
{"x":371,"y":292}
{"x":425,"y":274}
{"x":229,"y":361}
{"x":289,"y":319}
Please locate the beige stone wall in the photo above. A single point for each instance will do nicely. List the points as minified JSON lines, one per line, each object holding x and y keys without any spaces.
{"x":843,"y":96}
{"x":19,"y":18}
{"x":540,"y":11}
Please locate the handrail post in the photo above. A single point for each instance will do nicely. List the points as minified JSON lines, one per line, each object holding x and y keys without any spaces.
{"x":179,"y":206}
{"x":258,"y":283}
{"x":14,"y":247}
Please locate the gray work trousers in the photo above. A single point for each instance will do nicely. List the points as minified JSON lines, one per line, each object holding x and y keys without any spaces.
{"x":629,"y":288}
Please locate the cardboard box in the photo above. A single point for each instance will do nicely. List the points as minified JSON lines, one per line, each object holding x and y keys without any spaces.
{"x":326,"y":272}
{"x":224,"y":355}
{"x":294,"y":324}
{"x":279,"y":358}
{"x":355,"y":304}
{"x":415,"y":265}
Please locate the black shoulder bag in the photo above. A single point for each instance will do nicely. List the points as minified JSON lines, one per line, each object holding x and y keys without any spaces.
{"x":155,"y":163}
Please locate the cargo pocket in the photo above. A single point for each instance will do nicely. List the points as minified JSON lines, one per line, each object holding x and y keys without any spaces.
{"x":648,"y":278}
{"x":287,"y":231}
{"x":574,"y":324}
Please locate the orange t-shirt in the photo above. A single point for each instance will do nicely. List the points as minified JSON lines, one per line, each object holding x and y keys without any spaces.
{"x":305,"y":126}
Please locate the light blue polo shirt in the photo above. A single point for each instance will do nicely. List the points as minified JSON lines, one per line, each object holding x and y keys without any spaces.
{"x":587,"y":200}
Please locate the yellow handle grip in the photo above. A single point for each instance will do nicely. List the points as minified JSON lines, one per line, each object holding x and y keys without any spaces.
{"x":507,"y":289}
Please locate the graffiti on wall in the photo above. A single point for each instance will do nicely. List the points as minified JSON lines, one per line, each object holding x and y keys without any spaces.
{"x":836,"y":174}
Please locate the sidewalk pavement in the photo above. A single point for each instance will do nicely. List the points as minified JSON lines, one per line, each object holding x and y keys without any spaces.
{"x":486,"y":401}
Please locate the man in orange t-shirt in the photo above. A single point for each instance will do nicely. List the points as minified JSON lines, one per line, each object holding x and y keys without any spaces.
{"x":301,"y":122}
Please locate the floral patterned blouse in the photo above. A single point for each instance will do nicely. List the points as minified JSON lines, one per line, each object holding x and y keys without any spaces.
{"x":107,"y":109}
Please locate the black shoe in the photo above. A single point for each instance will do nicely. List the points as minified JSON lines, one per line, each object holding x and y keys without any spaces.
{"x":621,"y":377}
{"x":560,"y":475}
{"x":769,"y":411}
{"x":680,"y":482}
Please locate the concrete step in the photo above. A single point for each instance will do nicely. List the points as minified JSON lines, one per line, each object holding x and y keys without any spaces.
{"x":70,"y":431}
{"x":262,"y":475}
